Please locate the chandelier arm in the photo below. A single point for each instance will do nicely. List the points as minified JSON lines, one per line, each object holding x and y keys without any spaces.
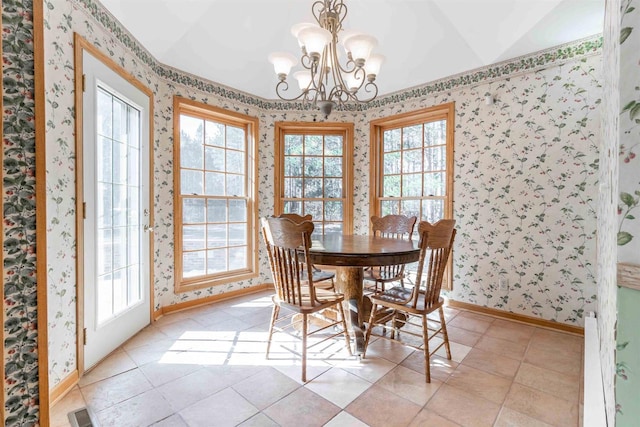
{"x":373,"y":90}
{"x":283,"y":86}
{"x":317,"y":8}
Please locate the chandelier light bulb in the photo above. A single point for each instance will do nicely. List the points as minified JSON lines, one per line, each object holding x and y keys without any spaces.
{"x":373,"y":64}
{"x":314,"y":39}
{"x":295,"y":30}
{"x":304,"y":79}
{"x":282,"y":63}
{"x":360,"y":47}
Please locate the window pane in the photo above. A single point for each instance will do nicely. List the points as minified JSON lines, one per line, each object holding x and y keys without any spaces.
{"x":214,"y":159}
{"x":238,"y":258}
{"x":119,"y":205}
{"x":432,"y":210}
{"x":119,"y":247}
{"x":134,"y":127}
{"x":191,"y":182}
{"x":313,"y":145}
{"x":193,"y":210}
{"x":191,"y":149}
{"x":435,"y":158}
{"x":410,"y":207}
{"x":119,"y":165}
{"x":237,"y":210}
{"x":293,"y":188}
{"x":293,"y":207}
{"x":133,"y":206}
{"x":412,"y":137}
{"x":216,"y":235}
{"x":133,"y":171}
{"x":292,"y":166}
{"x":333,"y":166}
{"x":315,"y":209}
{"x":235,"y":138}
{"x":214,"y":185}
{"x":333,"y":188}
{"x":235,"y":161}
{"x":391,"y":140}
{"x":193,"y":237}
{"x":392,"y":163}
{"x":133,"y":249}
{"x":434,"y":184}
{"x":391,"y":186}
{"x":216,"y":261}
{"x":390,"y":207}
{"x":105,"y":248}
{"x":412,"y":185}
{"x":313,"y":166}
{"x":214,"y":134}
{"x":293,"y":145}
{"x":216,"y":210}
{"x":104,"y":159}
{"x":312,"y":187}
{"x":119,"y":120}
{"x":235,"y":185}
{"x":105,"y":113}
{"x":333,"y":211}
{"x":105,"y":210}
{"x":193,"y":264}
{"x":332,"y":228}
{"x":333,"y":145}
{"x":412,"y":161}
{"x":237,"y":234}
{"x":435,"y":133}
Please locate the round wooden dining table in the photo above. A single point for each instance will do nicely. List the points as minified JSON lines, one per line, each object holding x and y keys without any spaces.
{"x":350,"y":255}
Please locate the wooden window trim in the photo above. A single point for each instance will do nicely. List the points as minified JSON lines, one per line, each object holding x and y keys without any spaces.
{"x":377,"y":128}
{"x":203,"y":111}
{"x":311,"y":128}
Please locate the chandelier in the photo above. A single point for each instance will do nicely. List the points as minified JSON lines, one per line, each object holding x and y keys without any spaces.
{"x":324,"y":81}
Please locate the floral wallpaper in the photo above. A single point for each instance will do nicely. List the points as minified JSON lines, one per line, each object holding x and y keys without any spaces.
{"x":533,"y":155}
{"x":20,"y":386}
{"x":628,"y":237}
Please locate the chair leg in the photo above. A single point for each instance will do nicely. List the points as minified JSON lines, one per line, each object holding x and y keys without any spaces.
{"x":367,"y":335}
{"x":274,"y":317}
{"x":304,"y":348}
{"x":427,"y":357}
{"x":445,"y":336}
{"x":344,"y":327}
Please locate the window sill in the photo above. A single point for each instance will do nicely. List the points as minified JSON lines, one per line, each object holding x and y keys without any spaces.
{"x":209,"y":282}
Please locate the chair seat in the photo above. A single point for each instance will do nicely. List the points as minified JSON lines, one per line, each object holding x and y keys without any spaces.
{"x":380,"y":275}
{"x":399,"y":298}
{"x":324,"y":297}
{"x":319,"y":276}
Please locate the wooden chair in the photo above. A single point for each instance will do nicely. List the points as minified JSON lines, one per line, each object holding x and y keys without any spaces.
{"x":395,"y":227}
{"x":320,"y":277}
{"x":399,"y":306}
{"x":288,"y":249}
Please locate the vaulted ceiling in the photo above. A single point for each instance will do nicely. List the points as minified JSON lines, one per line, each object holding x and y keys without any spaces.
{"x":228,"y":41}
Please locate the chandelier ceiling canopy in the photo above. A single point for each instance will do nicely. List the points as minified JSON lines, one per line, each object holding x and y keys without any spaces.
{"x":324,"y":81}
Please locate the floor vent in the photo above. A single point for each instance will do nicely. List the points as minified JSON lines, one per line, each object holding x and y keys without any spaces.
{"x":81,"y":418}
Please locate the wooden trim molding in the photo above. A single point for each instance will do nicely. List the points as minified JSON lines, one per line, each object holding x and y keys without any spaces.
{"x":210,"y":299}
{"x":629,"y":275}
{"x":61,"y":389}
{"x":41,"y":212}
{"x":530,"y":320}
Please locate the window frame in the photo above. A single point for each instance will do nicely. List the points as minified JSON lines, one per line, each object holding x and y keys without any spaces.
{"x":425,"y":115}
{"x":311,"y":128}
{"x":251,"y":125}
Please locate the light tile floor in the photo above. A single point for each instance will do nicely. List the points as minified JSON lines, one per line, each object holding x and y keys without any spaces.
{"x":206,"y":367}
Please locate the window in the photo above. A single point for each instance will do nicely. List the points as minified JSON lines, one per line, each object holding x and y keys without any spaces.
{"x":313,"y":173}
{"x":412,"y":165}
{"x":214,"y":195}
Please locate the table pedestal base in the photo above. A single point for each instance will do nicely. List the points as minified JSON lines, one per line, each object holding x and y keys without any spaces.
{"x":357,"y":308}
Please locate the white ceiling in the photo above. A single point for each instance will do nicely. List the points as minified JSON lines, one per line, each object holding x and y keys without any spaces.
{"x":228,"y":41}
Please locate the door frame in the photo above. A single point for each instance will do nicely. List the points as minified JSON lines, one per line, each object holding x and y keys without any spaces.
{"x":80,"y":46}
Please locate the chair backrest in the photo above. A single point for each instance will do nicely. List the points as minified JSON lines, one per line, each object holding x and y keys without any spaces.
{"x":436,"y":242}
{"x":295,"y":217}
{"x":393,"y":226}
{"x":288,"y":246}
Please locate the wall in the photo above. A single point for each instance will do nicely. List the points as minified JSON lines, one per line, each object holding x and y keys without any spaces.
{"x":534,"y":205}
{"x":628,"y":335}
{"x":22,"y":251}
